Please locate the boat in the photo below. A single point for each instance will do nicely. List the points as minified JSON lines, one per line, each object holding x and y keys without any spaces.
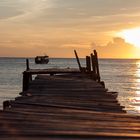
{"x":42,"y":59}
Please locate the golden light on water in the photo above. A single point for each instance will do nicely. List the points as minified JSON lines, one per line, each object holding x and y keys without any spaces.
{"x":135,"y":101}
{"x":131,"y":36}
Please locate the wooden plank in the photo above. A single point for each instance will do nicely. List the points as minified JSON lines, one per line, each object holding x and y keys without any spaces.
{"x":54,"y":71}
{"x":40,"y":114}
{"x":63,"y":138}
{"x":70,"y":106}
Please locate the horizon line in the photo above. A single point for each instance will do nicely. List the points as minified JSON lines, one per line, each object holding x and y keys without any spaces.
{"x":24,"y":57}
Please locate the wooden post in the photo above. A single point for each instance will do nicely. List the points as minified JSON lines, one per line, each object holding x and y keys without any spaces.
{"x":88,"y":64}
{"x":78,"y":61}
{"x":27,"y":64}
{"x":93,"y":63}
{"x":97,"y":65}
{"x":26,"y":80}
{"x":6,"y":104}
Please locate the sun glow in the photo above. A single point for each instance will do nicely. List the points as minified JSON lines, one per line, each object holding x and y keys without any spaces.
{"x":131,"y":36}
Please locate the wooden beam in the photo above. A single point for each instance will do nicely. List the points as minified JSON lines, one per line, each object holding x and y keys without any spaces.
{"x":78,"y":61}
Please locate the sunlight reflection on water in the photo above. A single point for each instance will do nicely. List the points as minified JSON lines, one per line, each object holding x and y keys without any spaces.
{"x":135,"y":101}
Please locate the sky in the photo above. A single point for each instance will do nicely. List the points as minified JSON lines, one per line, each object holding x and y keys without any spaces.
{"x":57,"y":27}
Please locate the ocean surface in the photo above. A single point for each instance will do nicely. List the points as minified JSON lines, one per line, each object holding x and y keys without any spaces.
{"x":119,"y":75}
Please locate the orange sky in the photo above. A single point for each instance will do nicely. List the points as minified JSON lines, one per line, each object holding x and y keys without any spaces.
{"x":57,"y":27}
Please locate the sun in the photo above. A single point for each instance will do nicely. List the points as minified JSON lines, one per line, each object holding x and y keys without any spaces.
{"x":131,"y":36}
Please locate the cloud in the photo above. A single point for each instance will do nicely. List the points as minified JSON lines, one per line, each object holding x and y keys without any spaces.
{"x":88,"y":15}
{"x":9,"y":9}
{"x":79,"y":14}
{"x":116,"y":42}
{"x":20,"y":9}
{"x":117,"y":48}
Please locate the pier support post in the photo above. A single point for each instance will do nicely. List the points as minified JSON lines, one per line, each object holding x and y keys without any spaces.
{"x":27,"y":64}
{"x":26,"y":80}
{"x":94,"y":75}
{"x":88,"y":64}
{"x":97,"y":65}
{"x":6,"y":104}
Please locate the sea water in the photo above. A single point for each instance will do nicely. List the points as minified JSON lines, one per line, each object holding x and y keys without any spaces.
{"x":121,"y":75}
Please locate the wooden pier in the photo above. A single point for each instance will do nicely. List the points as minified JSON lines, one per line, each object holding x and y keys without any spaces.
{"x":67,"y":104}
